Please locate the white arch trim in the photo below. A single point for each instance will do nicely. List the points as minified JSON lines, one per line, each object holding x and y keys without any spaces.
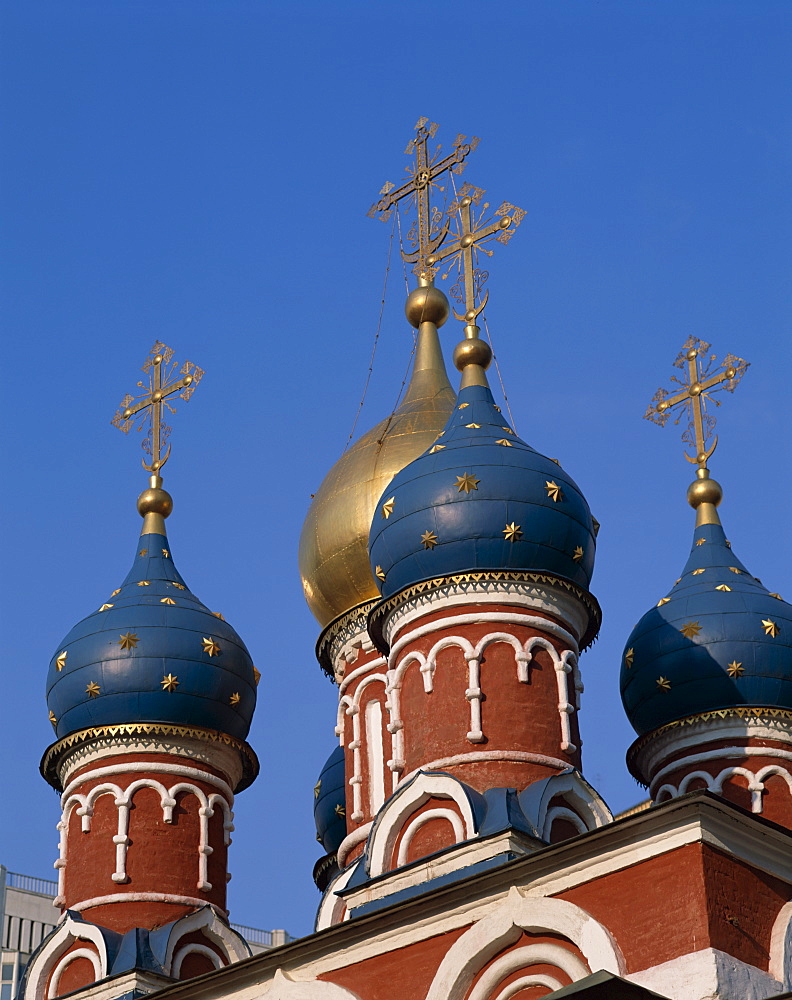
{"x":504,"y":926}
{"x":283,"y":987}
{"x":715,"y":783}
{"x":781,"y":947}
{"x":561,"y":812}
{"x":332,"y":909}
{"x":523,"y":958}
{"x":522,"y":984}
{"x":194,"y":949}
{"x":66,"y":961}
{"x":232,"y":944}
{"x":421,"y":820}
{"x":395,"y":812}
{"x":52,"y":951}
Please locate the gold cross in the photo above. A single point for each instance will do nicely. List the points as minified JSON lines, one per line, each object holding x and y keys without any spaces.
{"x":472,"y":235}
{"x":160,"y":369}
{"x":701,"y":383}
{"x":423,"y":173}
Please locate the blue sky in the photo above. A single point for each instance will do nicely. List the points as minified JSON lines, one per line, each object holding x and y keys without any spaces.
{"x":200,"y":173}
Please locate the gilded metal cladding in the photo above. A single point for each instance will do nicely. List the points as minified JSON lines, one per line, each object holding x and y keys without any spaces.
{"x":333,"y":554}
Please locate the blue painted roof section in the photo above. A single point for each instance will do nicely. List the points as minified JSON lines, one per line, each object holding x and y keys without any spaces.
{"x":512,"y":488}
{"x":329,"y":802}
{"x":168,"y":626}
{"x":729,"y":629}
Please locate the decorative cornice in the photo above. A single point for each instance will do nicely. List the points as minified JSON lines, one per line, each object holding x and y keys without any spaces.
{"x":50,"y":762}
{"x":473,"y":581}
{"x":343,"y":629}
{"x":748,"y":714}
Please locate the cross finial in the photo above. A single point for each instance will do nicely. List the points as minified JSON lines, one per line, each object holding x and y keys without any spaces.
{"x":472,"y":234}
{"x":429,"y":231}
{"x":147,"y":408}
{"x":702,"y":381}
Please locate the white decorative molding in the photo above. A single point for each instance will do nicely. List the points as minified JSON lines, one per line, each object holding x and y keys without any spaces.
{"x":781,"y":947}
{"x":390,"y":821}
{"x":122,"y":798}
{"x":522,"y":984}
{"x":51,"y":958}
{"x":333,"y":910}
{"x":194,"y":949}
{"x":350,"y":842}
{"x":561,"y":812}
{"x":708,"y":974}
{"x":554,"y":955}
{"x":232,"y":945}
{"x":580,"y":803}
{"x":350,"y":706}
{"x":558,"y":603}
{"x":283,"y":987}
{"x":150,"y":767}
{"x":421,"y":820}
{"x":67,"y":960}
{"x":714,"y":783}
{"x":145,"y":897}
{"x":504,"y":926}
{"x":482,"y":756}
{"x":367,"y":668}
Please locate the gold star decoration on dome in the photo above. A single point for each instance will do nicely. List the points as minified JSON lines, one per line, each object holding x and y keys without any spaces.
{"x":475,"y":427}
{"x":700,"y":541}
{"x":663,"y":684}
{"x":92,"y":690}
{"x":169,"y":682}
{"x":429,"y":539}
{"x":505,"y":443}
{"x":210,"y":646}
{"x":462,"y":406}
{"x":144,"y":583}
{"x":218,"y":615}
{"x":105,"y":607}
{"x":60,"y":660}
{"x":428,"y":231}
{"x":554,"y":491}
{"x":339,"y":810}
{"x":690,"y":630}
{"x":317,"y":788}
{"x":735,"y":669}
{"x":512,"y":532}
{"x":147,"y":408}
{"x":436,"y":447}
{"x":116,"y":592}
{"x":510,"y":431}
{"x":178,"y":586}
{"x":770,"y":627}
{"x":735,"y":569}
{"x":166,"y":553}
{"x":577,"y":555}
{"x":379,"y":572}
{"x":52,"y":718}
{"x":724,"y":588}
{"x":662,"y":601}
{"x":387,"y":507}
{"x":143,"y":552}
{"x":628,"y":657}
{"x":778,"y":597}
{"x":256,"y":675}
{"x":699,"y":571}
{"x":234,"y":699}
{"x":467,"y":483}
{"x":128,"y":641}
{"x":702,"y":382}
{"x":167,"y":600}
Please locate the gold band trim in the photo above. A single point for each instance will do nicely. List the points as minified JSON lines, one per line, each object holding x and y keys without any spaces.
{"x":737,"y":712}
{"x":83,"y":737}
{"x":382,"y":610}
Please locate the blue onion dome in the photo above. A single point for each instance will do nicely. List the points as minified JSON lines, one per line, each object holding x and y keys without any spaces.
{"x":480,"y":499}
{"x":329,"y":798}
{"x":719,"y":639}
{"x":152,"y":652}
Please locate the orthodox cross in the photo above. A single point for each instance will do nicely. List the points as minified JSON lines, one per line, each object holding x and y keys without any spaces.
{"x":472,"y":235}
{"x":148,"y":407}
{"x":423,"y":173}
{"x":701,"y":383}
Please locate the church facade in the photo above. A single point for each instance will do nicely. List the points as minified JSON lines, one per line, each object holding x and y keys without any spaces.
{"x":466,"y":856}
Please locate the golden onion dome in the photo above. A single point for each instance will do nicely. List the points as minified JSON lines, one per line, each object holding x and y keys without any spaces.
{"x":333,"y":556}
